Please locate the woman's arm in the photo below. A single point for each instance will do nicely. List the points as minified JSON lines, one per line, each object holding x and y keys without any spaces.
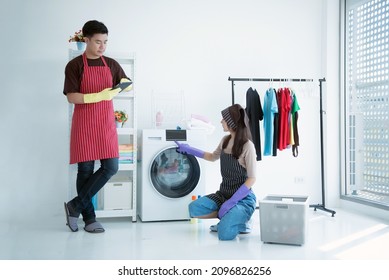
{"x":250,"y":182}
{"x":216,"y":153}
{"x":210,"y":156}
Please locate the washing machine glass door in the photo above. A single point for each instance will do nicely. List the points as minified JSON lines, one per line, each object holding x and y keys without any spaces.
{"x":174,"y":175}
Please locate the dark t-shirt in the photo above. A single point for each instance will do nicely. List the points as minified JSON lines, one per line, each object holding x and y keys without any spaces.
{"x":75,"y":68}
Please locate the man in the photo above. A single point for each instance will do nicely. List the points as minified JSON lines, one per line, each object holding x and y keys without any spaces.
{"x":89,"y":79}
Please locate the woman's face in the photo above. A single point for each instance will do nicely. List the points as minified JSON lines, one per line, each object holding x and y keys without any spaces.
{"x":225,"y":126}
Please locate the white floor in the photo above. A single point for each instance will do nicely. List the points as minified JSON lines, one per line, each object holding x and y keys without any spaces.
{"x":346,"y":236}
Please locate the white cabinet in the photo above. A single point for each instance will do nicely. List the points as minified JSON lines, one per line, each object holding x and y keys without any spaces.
{"x":118,"y":197}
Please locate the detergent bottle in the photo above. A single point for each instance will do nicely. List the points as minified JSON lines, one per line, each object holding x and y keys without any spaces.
{"x":159,"y":119}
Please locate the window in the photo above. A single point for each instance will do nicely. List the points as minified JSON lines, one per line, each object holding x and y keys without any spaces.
{"x":366,"y":100}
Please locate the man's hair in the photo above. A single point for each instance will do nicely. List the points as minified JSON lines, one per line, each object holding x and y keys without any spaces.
{"x":93,"y":27}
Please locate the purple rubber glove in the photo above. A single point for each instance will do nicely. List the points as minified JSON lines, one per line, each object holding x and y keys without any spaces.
{"x":185,"y":149}
{"x":241,"y":193}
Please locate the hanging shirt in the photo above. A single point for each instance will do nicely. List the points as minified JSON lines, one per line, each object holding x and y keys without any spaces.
{"x":294,"y":130}
{"x":281,"y":112}
{"x":284,"y":106}
{"x":276,"y":124}
{"x":255,"y":114}
{"x":291,"y":125}
{"x":270,"y":108}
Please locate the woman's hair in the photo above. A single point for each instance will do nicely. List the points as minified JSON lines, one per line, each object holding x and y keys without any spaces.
{"x":237,"y":120}
{"x":93,"y":27}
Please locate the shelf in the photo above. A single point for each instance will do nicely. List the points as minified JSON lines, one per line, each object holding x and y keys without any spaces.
{"x":125,"y":95}
{"x":116,"y":213}
{"x":122,"y":166}
{"x":120,"y":57}
{"x":125,"y":131}
{"x":127,"y":166}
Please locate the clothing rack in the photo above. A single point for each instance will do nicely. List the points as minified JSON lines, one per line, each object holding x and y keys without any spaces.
{"x":262,"y":80}
{"x":233,"y":80}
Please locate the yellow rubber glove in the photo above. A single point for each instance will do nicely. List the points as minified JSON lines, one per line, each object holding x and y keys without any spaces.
{"x":106,"y":94}
{"x":125,"y":80}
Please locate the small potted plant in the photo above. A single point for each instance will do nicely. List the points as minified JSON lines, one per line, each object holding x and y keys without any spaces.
{"x":120,"y":118}
{"x":79,"y":38}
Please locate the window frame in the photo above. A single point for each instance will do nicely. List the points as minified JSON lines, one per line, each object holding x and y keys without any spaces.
{"x":345,"y":112}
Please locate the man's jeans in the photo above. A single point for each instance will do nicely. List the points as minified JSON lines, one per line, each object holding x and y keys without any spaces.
{"x":89,"y":183}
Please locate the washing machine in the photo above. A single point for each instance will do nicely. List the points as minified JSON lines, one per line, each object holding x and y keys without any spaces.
{"x":168,"y":181}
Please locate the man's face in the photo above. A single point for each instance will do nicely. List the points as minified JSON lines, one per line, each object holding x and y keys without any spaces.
{"x":96,"y":45}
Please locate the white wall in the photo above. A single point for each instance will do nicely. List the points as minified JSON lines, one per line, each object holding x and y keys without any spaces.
{"x":181,"y":46}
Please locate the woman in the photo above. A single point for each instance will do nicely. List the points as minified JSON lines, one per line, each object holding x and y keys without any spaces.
{"x":234,"y":203}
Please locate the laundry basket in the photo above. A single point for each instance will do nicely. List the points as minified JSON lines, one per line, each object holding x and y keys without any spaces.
{"x":283,"y":219}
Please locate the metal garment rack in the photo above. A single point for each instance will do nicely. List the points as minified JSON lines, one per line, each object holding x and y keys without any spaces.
{"x":233,"y":80}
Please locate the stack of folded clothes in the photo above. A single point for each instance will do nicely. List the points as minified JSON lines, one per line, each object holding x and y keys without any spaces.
{"x":126,"y":153}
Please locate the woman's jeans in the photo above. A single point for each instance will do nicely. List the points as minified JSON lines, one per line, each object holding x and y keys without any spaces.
{"x":89,"y":183}
{"x":233,"y":222}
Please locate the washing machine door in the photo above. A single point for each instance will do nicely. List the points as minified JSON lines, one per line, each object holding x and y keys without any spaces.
{"x":174,"y":175}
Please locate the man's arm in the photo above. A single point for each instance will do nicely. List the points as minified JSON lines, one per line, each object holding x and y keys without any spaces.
{"x":75,"y":98}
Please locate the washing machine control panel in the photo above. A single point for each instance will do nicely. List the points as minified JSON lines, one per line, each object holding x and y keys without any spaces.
{"x":175,"y":135}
